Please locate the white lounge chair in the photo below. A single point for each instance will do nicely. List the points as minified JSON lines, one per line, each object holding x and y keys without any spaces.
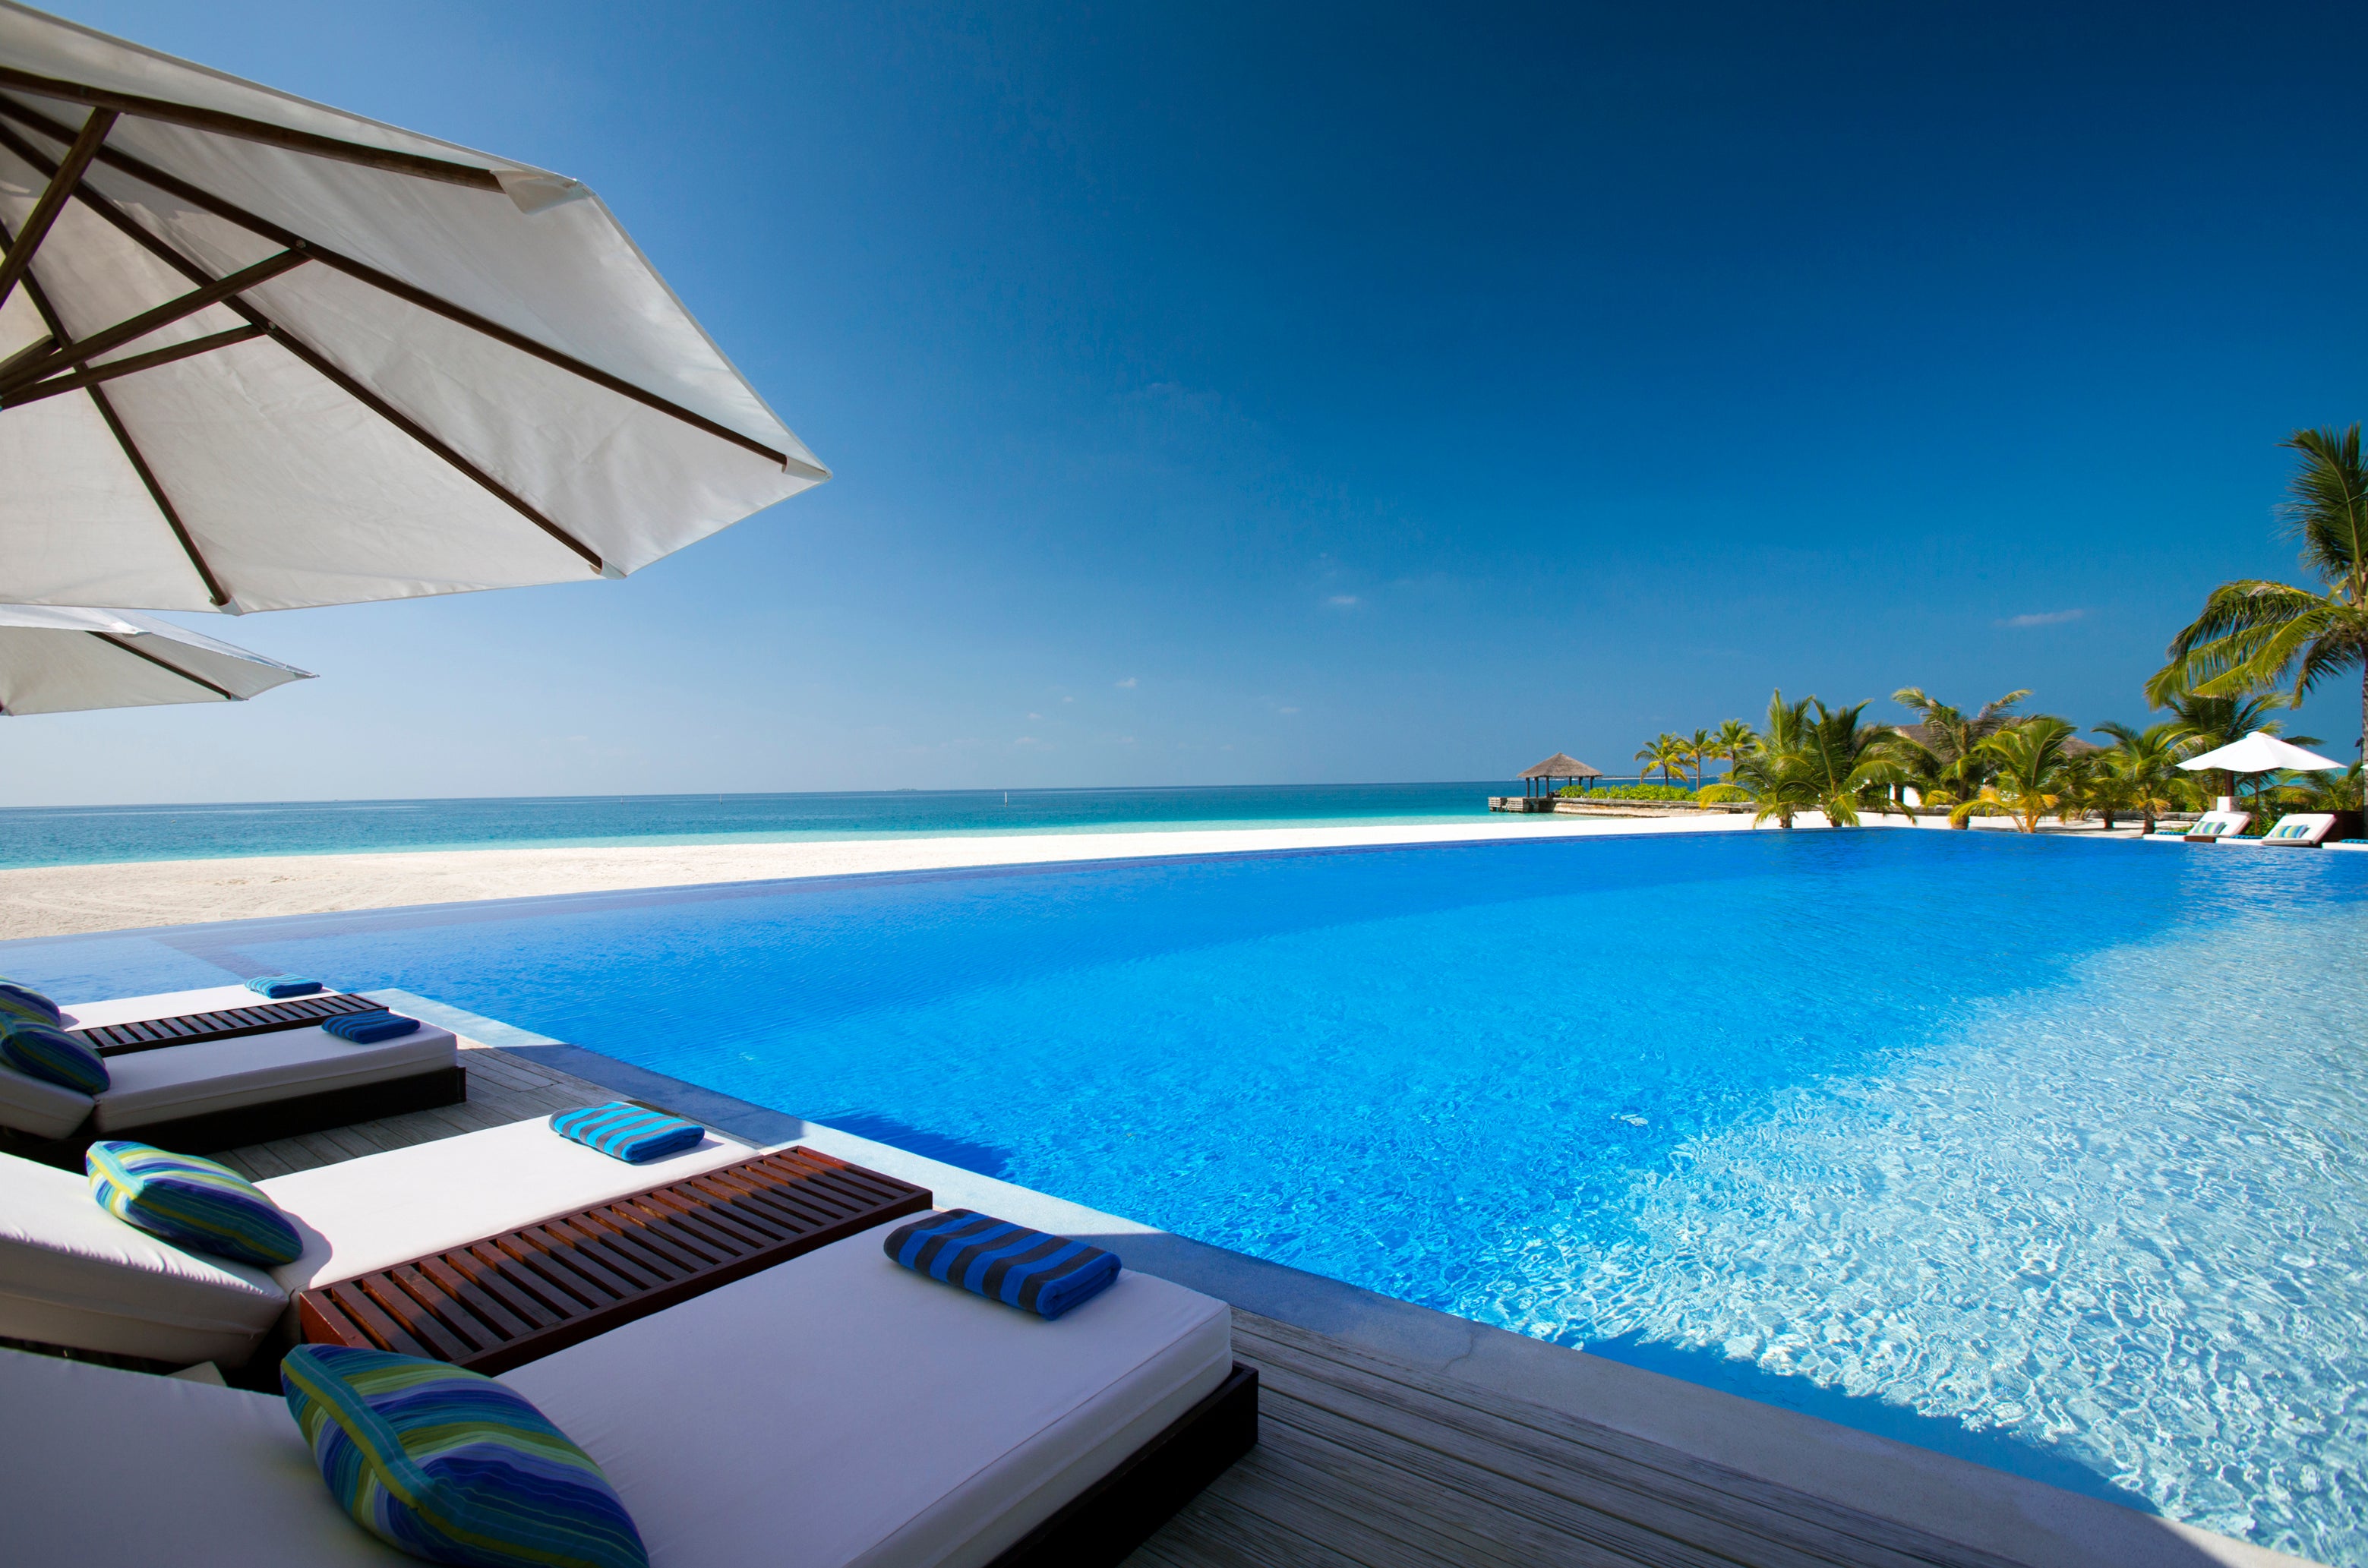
{"x":73,"y":1275}
{"x":2307,"y":829}
{"x":219,"y":1094}
{"x":2213,"y":826}
{"x":833,"y":1410}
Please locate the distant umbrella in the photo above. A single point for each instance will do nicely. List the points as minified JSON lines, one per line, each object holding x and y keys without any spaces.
{"x":2261,"y":752}
{"x":258,"y":353}
{"x":61,"y":659}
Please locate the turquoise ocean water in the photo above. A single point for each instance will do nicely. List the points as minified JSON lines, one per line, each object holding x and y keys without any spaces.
{"x":70,"y":836}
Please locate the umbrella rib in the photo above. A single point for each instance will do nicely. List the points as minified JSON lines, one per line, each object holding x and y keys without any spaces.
{"x":246,"y":129}
{"x":362,"y":272}
{"x":125,"y":643}
{"x":114,"y":369}
{"x":140,"y":325}
{"x":57,"y":330}
{"x":80,"y":149}
{"x":261,"y":323}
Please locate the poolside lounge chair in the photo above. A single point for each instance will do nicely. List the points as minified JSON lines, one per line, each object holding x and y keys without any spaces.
{"x":189,"y":1017}
{"x":2213,"y":826}
{"x":833,"y":1409}
{"x":197,"y":1098}
{"x":74,"y":1276}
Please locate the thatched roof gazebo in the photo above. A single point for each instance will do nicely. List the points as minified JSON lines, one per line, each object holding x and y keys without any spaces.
{"x":1562,"y":765}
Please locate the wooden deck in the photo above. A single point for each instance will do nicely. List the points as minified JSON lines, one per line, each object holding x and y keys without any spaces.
{"x":1361,"y":1462}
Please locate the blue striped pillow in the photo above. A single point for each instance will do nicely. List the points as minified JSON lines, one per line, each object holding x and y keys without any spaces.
{"x":49,"y":1054}
{"x":451,"y":1465}
{"x":629,"y":1132}
{"x":1039,"y":1273}
{"x":19,"y":1000}
{"x":190,"y":1202}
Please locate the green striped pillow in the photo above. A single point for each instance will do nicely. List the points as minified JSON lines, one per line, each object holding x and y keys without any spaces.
{"x":451,"y":1465}
{"x":190,"y":1202}
{"x":51,"y":1054}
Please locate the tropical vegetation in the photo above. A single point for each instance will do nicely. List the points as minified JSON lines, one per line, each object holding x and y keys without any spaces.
{"x":2256,"y":650}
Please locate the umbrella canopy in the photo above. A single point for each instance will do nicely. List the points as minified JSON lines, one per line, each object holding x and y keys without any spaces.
{"x":57,"y":659}
{"x":2261,"y":752}
{"x":258,"y":353}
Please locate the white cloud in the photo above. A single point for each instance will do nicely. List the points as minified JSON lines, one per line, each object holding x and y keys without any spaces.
{"x":1343,"y":601}
{"x":1035,"y":716}
{"x":1127,"y":684}
{"x":1286,"y":710}
{"x":2043,"y":618}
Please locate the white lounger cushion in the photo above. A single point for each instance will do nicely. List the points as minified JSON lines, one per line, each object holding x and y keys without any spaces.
{"x":387,"y":1209}
{"x":72,"y":1274}
{"x":224,"y":1074}
{"x":227,"y":1481}
{"x":836,"y":1410}
{"x":162,"y":1004}
{"x":36,"y":1106}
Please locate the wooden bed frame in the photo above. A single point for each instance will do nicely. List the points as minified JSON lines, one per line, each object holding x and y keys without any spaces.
{"x":223,"y":1023}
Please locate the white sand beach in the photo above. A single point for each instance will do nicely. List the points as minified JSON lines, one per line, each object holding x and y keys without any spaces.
{"x":56,"y":901}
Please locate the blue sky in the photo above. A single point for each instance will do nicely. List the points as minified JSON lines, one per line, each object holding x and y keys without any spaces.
{"x":1292,"y":394}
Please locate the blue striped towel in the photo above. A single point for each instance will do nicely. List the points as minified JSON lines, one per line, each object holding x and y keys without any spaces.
{"x":280,"y":987}
{"x":369,"y":1029}
{"x":633,"y":1133}
{"x":1029,"y":1269}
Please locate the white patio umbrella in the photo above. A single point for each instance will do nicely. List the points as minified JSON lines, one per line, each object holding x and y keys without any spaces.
{"x":2261,"y":752}
{"x":258,"y":353}
{"x":61,"y":659}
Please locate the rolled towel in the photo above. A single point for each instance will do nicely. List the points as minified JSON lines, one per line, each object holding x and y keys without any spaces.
{"x":280,"y":987}
{"x":1038,"y":1273}
{"x":633,"y":1133}
{"x":369,"y":1029}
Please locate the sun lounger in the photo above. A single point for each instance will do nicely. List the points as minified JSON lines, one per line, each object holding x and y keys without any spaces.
{"x":192,"y":1017}
{"x":197,"y":1098}
{"x":2307,"y":829}
{"x":2213,"y":826}
{"x":833,"y":1410}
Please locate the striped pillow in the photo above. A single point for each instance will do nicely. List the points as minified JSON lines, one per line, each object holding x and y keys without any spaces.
{"x":19,"y":1000}
{"x":451,"y":1465}
{"x":49,"y":1054}
{"x":190,"y":1202}
{"x":1043,"y":1273}
{"x":629,"y":1132}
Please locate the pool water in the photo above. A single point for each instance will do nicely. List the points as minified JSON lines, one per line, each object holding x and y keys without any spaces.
{"x":2056,"y":1147}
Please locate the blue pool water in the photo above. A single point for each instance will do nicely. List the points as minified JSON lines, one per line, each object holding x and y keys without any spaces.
{"x":81,"y":836}
{"x":2050,"y":1152}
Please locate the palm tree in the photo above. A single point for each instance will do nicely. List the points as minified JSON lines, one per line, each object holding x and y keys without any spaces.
{"x":1735,"y":739}
{"x":1792,"y":769}
{"x":1947,"y":763}
{"x":1702,"y":743}
{"x":1666,"y":753}
{"x":2030,"y":773}
{"x":2144,"y":763}
{"x":2252,"y":633}
{"x":1848,"y":762}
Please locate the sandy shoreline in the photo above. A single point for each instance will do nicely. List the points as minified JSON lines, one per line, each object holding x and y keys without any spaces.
{"x":58,"y":901}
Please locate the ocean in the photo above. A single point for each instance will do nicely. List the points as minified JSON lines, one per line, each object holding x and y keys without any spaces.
{"x":71,"y":835}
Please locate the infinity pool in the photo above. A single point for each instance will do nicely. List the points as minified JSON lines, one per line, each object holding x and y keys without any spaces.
{"x":2043,"y":1151}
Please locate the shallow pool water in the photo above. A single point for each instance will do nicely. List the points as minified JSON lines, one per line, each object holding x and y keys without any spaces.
{"x":2048,"y":1151}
